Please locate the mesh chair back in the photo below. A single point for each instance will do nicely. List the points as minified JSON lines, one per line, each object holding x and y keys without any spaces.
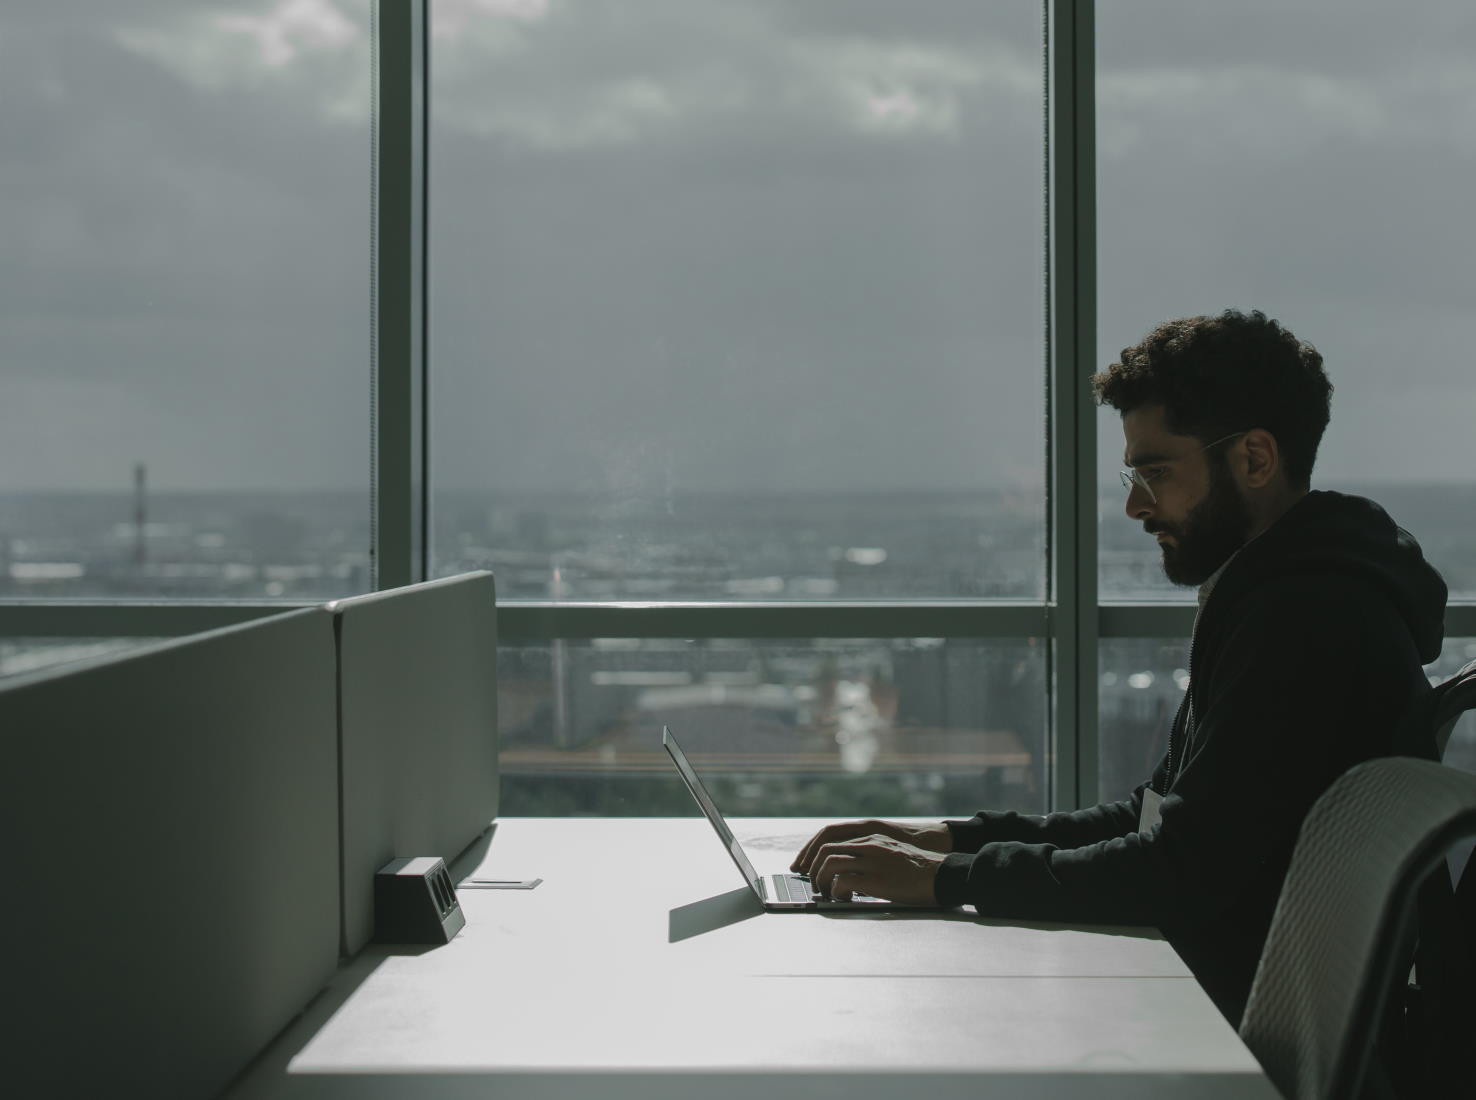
{"x":1431,"y":1052}
{"x":1449,"y":702}
{"x":1343,"y":926}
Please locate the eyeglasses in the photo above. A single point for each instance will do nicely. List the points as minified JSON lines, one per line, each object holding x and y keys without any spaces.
{"x":1131,"y":477}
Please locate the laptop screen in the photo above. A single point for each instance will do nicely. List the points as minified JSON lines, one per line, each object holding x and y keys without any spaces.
{"x":699,"y":792}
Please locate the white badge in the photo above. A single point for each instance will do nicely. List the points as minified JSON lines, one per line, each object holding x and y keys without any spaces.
{"x":1150,"y":817}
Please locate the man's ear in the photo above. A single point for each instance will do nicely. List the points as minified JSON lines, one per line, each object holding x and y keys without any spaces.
{"x":1262,"y":458}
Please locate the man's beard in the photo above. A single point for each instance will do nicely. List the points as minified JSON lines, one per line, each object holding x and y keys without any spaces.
{"x":1215,"y":528}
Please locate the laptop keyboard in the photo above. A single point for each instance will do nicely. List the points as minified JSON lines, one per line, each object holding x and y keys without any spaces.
{"x":795,"y":888}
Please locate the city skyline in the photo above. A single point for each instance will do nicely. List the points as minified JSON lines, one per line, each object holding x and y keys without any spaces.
{"x":978,"y":544}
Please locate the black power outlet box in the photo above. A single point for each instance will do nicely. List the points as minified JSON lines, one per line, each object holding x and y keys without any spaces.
{"x":414,"y":902}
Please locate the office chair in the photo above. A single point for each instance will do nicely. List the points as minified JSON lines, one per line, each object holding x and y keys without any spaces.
{"x":1431,"y":1055}
{"x":1342,"y":937}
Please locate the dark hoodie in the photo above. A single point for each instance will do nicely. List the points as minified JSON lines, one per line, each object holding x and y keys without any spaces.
{"x":1305,"y":655}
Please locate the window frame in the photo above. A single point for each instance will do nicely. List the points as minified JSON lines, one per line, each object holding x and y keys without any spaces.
{"x":1072,"y":617}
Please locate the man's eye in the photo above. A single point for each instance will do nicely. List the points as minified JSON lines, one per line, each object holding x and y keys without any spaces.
{"x":1153,"y":472}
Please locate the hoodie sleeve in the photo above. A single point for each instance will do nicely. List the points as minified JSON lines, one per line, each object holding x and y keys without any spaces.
{"x":1304,"y":685}
{"x":1071,"y":829}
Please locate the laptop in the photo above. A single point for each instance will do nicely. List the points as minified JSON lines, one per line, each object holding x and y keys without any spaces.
{"x":786,"y":893}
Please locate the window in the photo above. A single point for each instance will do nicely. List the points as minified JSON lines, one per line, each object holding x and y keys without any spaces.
{"x":681,"y":255}
{"x":185,"y":298}
{"x":905,"y":726}
{"x":1309,"y":161}
{"x":743,"y":302}
{"x":1143,"y":681}
{"x":738,"y":301}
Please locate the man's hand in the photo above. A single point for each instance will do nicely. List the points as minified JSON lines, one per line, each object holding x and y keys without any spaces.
{"x":881,"y":866}
{"x":885,"y":859}
{"x":930,"y":838}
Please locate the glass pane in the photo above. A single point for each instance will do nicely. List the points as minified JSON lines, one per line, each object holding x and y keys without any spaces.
{"x":1311,"y":160}
{"x":921,"y":726}
{"x":1143,"y":681}
{"x":184,"y":285}
{"x":738,"y":300}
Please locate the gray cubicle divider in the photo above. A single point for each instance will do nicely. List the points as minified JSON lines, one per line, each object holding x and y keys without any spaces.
{"x":417,"y":677}
{"x":169,"y":821}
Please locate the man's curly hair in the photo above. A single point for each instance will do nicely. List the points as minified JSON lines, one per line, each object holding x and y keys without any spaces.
{"x":1218,"y":375}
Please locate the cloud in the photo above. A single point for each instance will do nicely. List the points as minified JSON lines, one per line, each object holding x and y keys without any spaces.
{"x":1266,"y":77}
{"x":620,"y":112}
{"x":876,"y":87}
{"x":452,"y":18}
{"x":311,"y":49}
{"x":548,"y":79}
{"x":1256,"y":109}
{"x":768,"y":195}
{"x":546,"y":76}
{"x":293,"y":28}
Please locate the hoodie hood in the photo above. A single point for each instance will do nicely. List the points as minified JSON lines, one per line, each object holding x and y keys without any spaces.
{"x":1327,"y":531}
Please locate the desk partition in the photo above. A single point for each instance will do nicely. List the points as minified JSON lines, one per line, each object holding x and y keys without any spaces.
{"x":171,"y":856}
{"x":417,"y":674}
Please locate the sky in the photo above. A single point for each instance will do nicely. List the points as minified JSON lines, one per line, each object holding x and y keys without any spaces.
{"x":687,"y":245}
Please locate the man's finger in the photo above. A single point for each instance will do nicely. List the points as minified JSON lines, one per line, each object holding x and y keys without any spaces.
{"x":802,"y":856}
{"x":839,"y":831}
{"x":844,"y":830}
{"x":831,"y":864}
{"x":852,"y":847}
{"x":844,"y":885}
{"x":856,"y":854}
{"x":807,"y":851}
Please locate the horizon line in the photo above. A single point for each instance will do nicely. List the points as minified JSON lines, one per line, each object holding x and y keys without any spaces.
{"x":1105,"y":486}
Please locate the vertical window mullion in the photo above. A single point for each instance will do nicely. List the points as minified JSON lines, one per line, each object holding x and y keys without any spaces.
{"x":1071,"y":426}
{"x":398,"y":313}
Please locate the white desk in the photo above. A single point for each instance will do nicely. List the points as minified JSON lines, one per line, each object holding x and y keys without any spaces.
{"x":586,"y":986}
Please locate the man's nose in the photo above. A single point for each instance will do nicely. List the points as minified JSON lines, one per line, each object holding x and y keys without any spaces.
{"x":1138,"y":506}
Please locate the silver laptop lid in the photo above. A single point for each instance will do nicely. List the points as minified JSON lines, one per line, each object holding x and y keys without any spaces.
{"x":699,"y":792}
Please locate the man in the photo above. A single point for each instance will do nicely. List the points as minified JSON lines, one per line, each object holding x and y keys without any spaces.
{"x":1315,"y":615}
